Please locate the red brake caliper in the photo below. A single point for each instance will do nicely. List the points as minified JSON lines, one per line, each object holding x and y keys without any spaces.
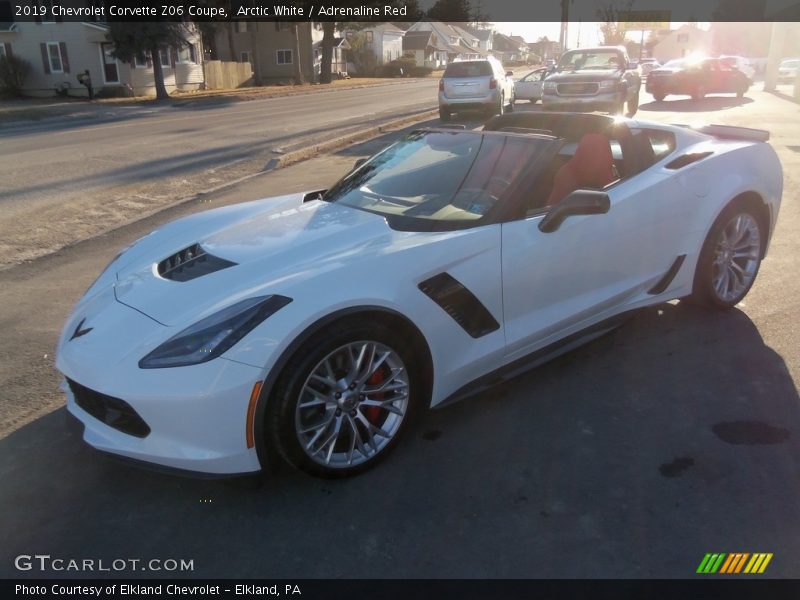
{"x":373,"y":413}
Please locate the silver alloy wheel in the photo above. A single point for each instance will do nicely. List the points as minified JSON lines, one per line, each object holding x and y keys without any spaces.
{"x":352,"y":404}
{"x":736,"y":257}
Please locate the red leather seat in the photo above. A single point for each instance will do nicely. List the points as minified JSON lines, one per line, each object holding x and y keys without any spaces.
{"x":591,"y":166}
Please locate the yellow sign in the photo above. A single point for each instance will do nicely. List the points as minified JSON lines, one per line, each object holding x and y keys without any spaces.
{"x":643,"y":20}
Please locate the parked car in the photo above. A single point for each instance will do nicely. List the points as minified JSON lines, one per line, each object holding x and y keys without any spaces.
{"x":313,"y":327}
{"x":696,"y":78}
{"x":648,"y":64}
{"x":740,"y":63}
{"x":787,"y":71}
{"x":476,"y":85}
{"x":530,"y":86}
{"x":593,"y":79}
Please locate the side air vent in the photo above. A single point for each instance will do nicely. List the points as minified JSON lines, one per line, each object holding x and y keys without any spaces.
{"x":687,"y":159}
{"x":191,"y":263}
{"x":461,"y":304}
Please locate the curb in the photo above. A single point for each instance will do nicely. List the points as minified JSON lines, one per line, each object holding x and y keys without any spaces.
{"x":330,"y":145}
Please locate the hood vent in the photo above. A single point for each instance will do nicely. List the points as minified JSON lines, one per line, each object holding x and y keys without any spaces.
{"x":191,"y":263}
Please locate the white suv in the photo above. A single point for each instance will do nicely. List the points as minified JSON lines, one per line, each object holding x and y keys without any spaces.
{"x":476,"y":84}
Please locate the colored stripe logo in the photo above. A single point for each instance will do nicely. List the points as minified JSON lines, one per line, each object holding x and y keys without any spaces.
{"x":736,"y":562}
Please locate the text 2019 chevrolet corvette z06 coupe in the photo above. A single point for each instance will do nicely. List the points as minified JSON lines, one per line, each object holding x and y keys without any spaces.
{"x":312,"y":327}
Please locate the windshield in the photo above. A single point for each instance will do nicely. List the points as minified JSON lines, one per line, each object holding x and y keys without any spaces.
{"x":601,"y":60}
{"x":439,"y":176}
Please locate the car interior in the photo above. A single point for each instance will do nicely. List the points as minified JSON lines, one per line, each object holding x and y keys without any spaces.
{"x":597,"y":153}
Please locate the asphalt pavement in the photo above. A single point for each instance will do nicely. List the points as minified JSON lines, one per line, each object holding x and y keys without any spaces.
{"x":633,"y":456}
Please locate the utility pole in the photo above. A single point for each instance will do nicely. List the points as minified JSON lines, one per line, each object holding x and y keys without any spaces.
{"x":563,"y":35}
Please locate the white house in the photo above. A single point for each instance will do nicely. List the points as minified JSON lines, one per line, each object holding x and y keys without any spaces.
{"x":460,"y":45}
{"x":683,"y":41}
{"x":423,"y":47}
{"x":59,"y":51}
{"x":386,"y":41}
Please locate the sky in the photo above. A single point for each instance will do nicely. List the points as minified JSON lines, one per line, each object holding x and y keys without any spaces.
{"x":580,"y":34}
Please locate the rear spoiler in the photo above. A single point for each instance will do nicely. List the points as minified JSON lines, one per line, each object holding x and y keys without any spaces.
{"x":729,"y":132}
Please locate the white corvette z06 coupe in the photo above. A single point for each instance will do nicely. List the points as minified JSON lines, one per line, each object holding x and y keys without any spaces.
{"x":312,"y":327}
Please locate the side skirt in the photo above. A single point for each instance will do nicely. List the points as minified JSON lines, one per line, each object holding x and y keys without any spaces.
{"x":537,"y":358}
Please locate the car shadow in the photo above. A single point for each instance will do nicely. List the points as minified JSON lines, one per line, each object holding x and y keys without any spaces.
{"x":603,"y":455}
{"x":709,"y":103}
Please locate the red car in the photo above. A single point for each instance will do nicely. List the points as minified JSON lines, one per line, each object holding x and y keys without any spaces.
{"x":696,"y":78}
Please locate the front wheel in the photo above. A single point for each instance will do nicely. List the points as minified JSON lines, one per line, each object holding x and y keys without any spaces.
{"x":343,"y":401}
{"x":444,"y":114}
{"x":699,"y":93}
{"x":730,"y":258}
{"x":659,"y":96}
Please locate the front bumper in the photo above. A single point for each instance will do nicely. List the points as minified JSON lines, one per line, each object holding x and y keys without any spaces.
{"x":195,"y":417}
{"x":602,"y":101}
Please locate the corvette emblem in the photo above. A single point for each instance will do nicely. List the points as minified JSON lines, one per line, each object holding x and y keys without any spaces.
{"x":79,"y":332}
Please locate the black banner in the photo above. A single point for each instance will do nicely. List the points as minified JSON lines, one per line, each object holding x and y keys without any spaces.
{"x":733,"y":588}
{"x":459,"y":11}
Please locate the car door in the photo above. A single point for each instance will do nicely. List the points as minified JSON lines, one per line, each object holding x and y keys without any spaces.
{"x":592,"y":266}
{"x":530,"y":86}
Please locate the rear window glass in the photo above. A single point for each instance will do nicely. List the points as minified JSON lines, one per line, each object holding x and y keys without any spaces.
{"x":468,"y":69}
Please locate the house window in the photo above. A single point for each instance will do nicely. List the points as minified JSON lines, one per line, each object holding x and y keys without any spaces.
{"x":683,"y":38}
{"x":240,"y":26}
{"x":163,"y":55}
{"x":244,"y":57}
{"x":368,"y":38}
{"x":55,"y":58}
{"x":140,"y":61}
{"x":186,"y":55}
{"x":284,"y":57}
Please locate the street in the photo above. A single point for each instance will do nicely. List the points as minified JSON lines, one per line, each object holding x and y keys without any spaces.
{"x":633,"y":456}
{"x":91,"y":175}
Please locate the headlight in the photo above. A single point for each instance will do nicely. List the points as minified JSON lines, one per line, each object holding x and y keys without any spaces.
{"x":610,"y":84}
{"x":213,"y":335}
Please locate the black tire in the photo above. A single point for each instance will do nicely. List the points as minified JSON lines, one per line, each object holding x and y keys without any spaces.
{"x":698,"y":93}
{"x":741,"y":92}
{"x":659,"y":96}
{"x":282,"y":409}
{"x":703,"y":290}
{"x":444,"y":114}
{"x":633,"y":105}
{"x":511,"y":104}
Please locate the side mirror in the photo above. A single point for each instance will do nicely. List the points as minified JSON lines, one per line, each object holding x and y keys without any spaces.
{"x":579,"y":202}
{"x":509,"y":73}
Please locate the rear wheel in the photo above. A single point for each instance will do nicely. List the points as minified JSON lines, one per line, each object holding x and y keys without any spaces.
{"x":343,"y":401}
{"x":511,"y":103}
{"x":699,"y":93}
{"x":730,"y":258}
{"x":742,"y":91}
{"x":444,"y":114}
{"x":659,"y":96}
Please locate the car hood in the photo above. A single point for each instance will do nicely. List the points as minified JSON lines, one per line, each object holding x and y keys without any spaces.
{"x":272,"y":242}
{"x":583,"y":76}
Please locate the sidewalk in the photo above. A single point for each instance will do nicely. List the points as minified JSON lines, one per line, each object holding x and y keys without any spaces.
{"x":34,"y":109}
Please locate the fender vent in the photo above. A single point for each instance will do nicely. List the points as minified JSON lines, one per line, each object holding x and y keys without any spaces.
{"x":461,"y":304}
{"x":191,"y":263}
